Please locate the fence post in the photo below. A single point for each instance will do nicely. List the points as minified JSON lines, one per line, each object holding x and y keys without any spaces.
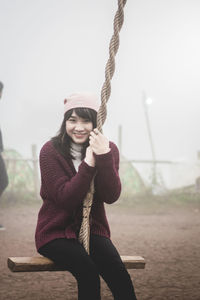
{"x":35,"y":169}
{"x":120,"y":138}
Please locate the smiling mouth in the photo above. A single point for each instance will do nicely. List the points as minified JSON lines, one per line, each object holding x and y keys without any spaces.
{"x":80,"y":134}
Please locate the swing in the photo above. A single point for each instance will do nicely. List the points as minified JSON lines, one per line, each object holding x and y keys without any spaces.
{"x":40,"y":263}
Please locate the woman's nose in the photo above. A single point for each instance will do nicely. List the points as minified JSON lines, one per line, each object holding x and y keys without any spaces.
{"x":79,"y":126}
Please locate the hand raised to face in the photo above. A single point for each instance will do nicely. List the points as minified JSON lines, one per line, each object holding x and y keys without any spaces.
{"x":89,"y":157}
{"x":98,"y":142}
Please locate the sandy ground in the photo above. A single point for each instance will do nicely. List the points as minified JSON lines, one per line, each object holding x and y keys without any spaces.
{"x":167,"y":237}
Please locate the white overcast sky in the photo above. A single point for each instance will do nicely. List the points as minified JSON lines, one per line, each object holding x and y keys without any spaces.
{"x":51,"y":48}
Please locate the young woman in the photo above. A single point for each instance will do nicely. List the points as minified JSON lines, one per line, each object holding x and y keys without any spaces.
{"x":68,"y":163}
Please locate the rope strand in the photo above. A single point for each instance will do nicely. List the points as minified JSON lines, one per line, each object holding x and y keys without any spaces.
{"x":84,"y":233}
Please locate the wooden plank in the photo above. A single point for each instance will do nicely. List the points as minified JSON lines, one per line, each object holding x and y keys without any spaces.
{"x":40,"y":263}
{"x":133,"y":262}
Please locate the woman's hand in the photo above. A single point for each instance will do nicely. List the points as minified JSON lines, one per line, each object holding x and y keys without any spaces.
{"x":98,"y":142}
{"x":89,"y":157}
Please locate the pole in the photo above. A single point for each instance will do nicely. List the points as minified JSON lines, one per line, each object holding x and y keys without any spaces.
{"x":35,"y":169}
{"x":120,"y":138}
{"x":154,"y":177}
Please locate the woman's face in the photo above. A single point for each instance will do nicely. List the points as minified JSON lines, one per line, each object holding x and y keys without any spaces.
{"x":78,"y":128}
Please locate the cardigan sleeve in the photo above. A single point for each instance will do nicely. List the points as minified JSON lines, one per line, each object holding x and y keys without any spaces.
{"x":58,"y":185}
{"x":107,"y":181}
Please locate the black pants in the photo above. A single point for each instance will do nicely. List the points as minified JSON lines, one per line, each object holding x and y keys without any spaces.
{"x":3,"y":175}
{"x":104,"y":260}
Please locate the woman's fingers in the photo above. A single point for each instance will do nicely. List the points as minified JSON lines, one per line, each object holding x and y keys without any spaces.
{"x":93,"y":136}
{"x":89,"y":157}
{"x":98,"y":142}
{"x":96,"y":131}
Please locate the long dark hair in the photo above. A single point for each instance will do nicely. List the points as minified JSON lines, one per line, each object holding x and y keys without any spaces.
{"x":62,"y":140}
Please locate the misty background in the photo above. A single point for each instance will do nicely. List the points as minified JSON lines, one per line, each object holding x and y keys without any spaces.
{"x":51,"y":48}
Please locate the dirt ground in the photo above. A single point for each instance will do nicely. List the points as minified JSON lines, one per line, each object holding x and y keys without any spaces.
{"x":167,"y":237}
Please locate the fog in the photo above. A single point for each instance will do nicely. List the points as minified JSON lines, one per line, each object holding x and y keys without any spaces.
{"x":51,"y":48}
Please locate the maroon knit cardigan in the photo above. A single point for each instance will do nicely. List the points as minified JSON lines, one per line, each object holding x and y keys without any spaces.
{"x":63,"y":191}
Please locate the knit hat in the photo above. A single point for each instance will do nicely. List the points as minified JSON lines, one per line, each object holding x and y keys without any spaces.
{"x":87,"y":100}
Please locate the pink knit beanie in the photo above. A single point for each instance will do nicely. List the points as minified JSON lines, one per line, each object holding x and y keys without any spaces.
{"x":87,"y":100}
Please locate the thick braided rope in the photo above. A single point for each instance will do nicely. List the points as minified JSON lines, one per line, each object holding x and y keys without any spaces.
{"x":84,"y":233}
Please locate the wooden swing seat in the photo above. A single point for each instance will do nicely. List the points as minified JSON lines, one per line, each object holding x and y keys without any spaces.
{"x":41,"y":263}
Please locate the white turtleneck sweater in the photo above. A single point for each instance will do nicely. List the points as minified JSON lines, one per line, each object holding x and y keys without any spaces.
{"x":76,"y":153}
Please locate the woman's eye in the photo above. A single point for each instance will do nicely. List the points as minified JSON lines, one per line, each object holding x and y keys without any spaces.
{"x":86,"y":121}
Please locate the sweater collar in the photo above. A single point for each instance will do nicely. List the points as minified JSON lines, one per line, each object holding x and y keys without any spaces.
{"x":76,"y":150}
